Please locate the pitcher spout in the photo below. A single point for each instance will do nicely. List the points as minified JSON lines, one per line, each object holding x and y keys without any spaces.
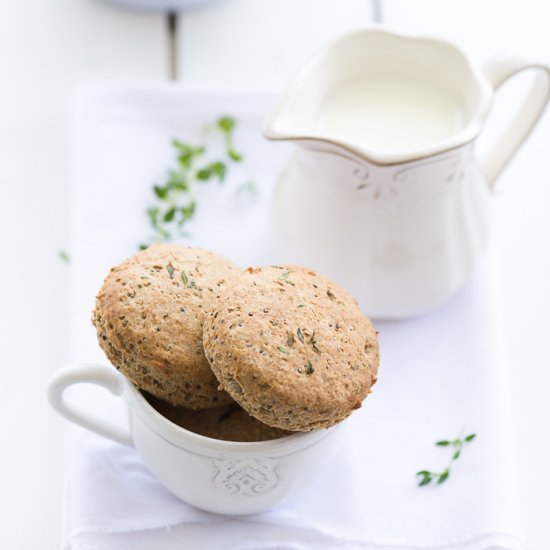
{"x":291,"y":118}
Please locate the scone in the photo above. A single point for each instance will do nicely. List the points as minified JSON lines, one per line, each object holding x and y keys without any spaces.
{"x":291,"y":347}
{"x":149,"y":315}
{"x":229,"y":423}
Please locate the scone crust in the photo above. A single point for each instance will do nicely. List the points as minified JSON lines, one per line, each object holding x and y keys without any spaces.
{"x":291,"y":347}
{"x":149,"y":315}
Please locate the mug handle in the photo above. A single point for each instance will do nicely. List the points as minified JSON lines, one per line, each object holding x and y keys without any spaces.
{"x":90,"y":374}
{"x":498,"y":71}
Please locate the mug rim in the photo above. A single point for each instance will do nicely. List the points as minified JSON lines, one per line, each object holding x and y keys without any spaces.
{"x":182,"y":438}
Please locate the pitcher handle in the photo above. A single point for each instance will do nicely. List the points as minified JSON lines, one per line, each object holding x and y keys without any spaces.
{"x":91,"y":374}
{"x":498,"y":71}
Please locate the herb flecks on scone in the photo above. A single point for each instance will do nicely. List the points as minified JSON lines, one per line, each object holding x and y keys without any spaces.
{"x":291,"y":347}
{"x":149,"y":315}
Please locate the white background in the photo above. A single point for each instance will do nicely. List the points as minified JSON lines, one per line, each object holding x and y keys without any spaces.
{"x":47,"y":47}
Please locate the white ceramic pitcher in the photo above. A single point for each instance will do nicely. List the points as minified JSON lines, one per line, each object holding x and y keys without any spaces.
{"x":401,"y":228}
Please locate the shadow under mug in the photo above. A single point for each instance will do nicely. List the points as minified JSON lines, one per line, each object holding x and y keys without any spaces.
{"x":224,"y":477}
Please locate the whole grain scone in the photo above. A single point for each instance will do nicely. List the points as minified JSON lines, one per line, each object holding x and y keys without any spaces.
{"x":229,"y":423}
{"x":291,"y":347}
{"x":149,"y":315}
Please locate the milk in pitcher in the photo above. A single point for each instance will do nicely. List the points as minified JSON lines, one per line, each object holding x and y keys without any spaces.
{"x":389,"y":112}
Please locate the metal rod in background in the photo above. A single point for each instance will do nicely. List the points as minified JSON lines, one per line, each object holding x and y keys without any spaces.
{"x":376,"y":11}
{"x":172,"y":24}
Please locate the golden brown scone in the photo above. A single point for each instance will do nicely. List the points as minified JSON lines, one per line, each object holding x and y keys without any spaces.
{"x":341,"y":299}
{"x":149,"y":315}
{"x":291,"y":347}
{"x":229,"y":423}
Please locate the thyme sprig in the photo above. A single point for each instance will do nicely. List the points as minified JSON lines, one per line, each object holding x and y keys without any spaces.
{"x":175,"y":203}
{"x":427,"y":476}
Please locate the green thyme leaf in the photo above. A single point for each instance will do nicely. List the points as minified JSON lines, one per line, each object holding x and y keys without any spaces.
{"x":187,"y":153}
{"x":170,"y":269}
{"x":160,"y":192}
{"x":177,"y":181}
{"x":282,"y":349}
{"x":153,"y":213}
{"x":163,"y":233}
{"x":290,"y":339}
{"x":470,"y":437}
{"x":233,"y":155}
{"x":204,"y":174}
{"x":313,"y":343}
{"x":169,"y":214}
{"x":214,"y":169}
{"x":443,"y":476}
{"x":443,"y":443}
{"x":188,"y":210}
{"x":300,"y":336}
{"x":309,"y":368}
{"x":64,"y":256}
{"x":186,"y":282}
{"x":426,"y":477}
{"x":226,"y":124}
{"x":218,"y":169}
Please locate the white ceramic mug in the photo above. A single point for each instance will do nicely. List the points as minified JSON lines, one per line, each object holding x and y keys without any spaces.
{"x":223,"y":477}
{"x":400,"y":226}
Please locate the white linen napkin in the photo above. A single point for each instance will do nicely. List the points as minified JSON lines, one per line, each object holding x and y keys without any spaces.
{"x":441,"y":375}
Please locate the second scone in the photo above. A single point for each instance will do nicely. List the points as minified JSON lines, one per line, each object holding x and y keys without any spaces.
{"x":291,"y":347}
{"x":228,"y":423}
{"x":149,"y":315}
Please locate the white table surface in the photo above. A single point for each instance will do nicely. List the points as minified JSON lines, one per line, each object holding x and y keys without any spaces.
{"x":47,"y":47}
